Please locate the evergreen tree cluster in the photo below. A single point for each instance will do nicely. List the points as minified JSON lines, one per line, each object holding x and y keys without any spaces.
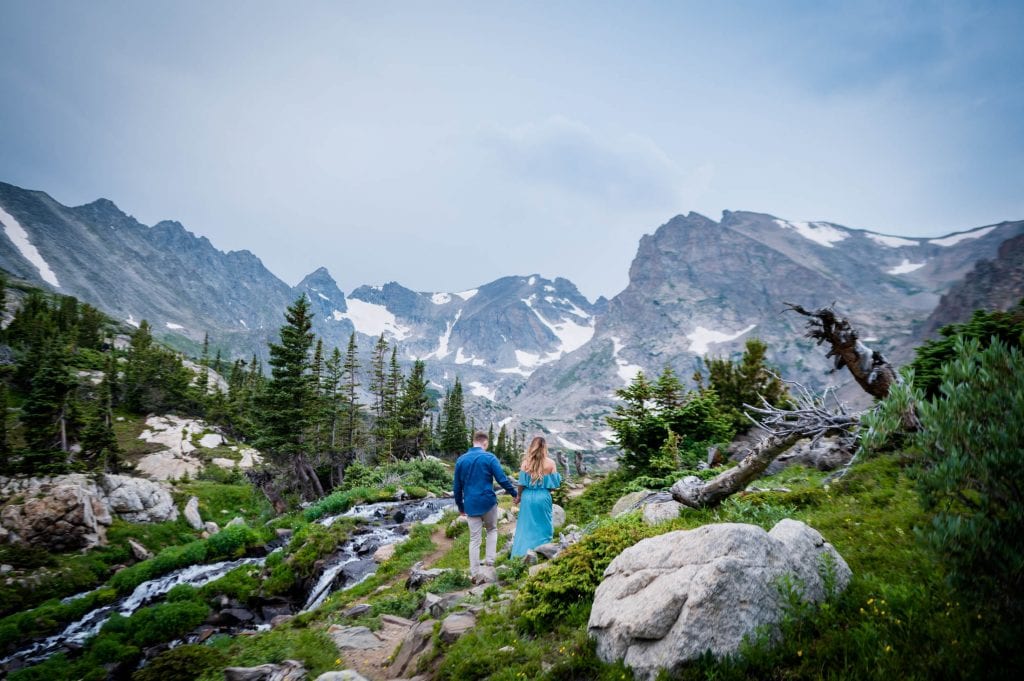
{"x":742,"y":382}
{"x":49,"y":351}
{"x":663,"y":428}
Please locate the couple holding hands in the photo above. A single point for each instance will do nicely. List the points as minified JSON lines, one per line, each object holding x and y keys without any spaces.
{"x":475,"y":474}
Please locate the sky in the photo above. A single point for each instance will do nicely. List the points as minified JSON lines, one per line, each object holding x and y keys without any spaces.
{"x":443,"y":145}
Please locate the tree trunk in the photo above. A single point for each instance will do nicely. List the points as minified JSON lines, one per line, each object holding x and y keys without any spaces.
{"x":870,"y":368}
{"x":693,"y":492}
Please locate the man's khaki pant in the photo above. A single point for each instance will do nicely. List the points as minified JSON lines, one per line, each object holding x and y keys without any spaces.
{"x":476,"y":522}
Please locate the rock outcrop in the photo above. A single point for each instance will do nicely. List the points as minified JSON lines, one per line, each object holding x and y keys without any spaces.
{"x":72,"y":511}
{"x":671,"y":598}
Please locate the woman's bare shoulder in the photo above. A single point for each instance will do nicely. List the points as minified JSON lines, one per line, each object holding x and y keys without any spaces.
{"x":549,"y":466}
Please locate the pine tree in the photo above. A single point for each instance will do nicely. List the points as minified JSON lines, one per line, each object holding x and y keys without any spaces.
{"x":455,"y":436}
{"x":48,"y":414}
{"x":412,"y":433}
{"x":351,"y":439}
{"x":204,"y":376}
{"x":98,"y":442}
{"x":333,"y":404}
{"x":378,"y":376}
{"x":287,"y":403}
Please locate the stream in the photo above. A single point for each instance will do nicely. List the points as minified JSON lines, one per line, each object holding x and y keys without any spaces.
{"x":384,"y":523}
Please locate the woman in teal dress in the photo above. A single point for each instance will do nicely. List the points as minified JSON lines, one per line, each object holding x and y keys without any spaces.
{"x":537,"y":477}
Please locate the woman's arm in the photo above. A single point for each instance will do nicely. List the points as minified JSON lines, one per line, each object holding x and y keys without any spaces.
{"x":520,"y":495}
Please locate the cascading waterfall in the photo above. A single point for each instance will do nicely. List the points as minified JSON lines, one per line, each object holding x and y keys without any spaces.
{"x":350,"y":564}
{"x":78,"y":632}
{"x":353,"y":562}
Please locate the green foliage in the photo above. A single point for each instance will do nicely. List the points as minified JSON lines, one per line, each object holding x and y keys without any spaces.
{"x":158,"y":623}
{"x":183,"y":663}
{"x":311,"y":646}
{"x":564,"y":591}
{"x":428,"y":473}
{"x":882,"y":427}
{"x":231,"y":542}
{"x":659,"y":427}
{"x":403,"y":603}
{"x":745,"y":382}
{"x":1007,"y":326}
{"x":154,"y":377}
{"x":598,"y":498}
{"x":454,"y":434}
{"x":241,"y":584}
{"x":972,"y":443}
{"x":339,"y":502}
{"x":48,"y":617}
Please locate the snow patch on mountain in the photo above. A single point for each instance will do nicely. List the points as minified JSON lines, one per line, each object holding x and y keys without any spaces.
{"x":242,"y":322}
{"x":372,"y":319}
{"x":570,"y":334}
{"x":440,"y":298}
{"x":701,"y":337}
{"x":323,"y":296}
{"x":962,"y":236}
{"x":131,"y":321}
{"x":819,"y":232}
{"x":480,"y":390}
{"x":443,"y":340}
{"x":19,"y":237}
{"x":466,"y":295}
{"x":906,"y":267}
{"x":468,"y":359}
{"x":174,"y":327}
{"x":627,"y":372}
{"x":890,"y":241}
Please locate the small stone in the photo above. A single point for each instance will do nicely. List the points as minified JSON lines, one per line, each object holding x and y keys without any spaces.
{"x":507,"y":649}
{"x":384,"y":553}
{"x":356,"y":638}
{"x":356,"y":610}
{"x":557,"y":515}
{"x":397,"y":621}
{"x":534,"y":569}
{"x":531,"y":557}
{"x":284,"y":532}
{"x":211,"y":527}
{"x":549,"y":550}
{"x":278,"y":620}
{"x":415,"y":642}
{"x":343,"y":675}
{"x":4,"y":569}
{"x":237,"y":520}
{"x":455,"y":625}
{"x":485,"y":575}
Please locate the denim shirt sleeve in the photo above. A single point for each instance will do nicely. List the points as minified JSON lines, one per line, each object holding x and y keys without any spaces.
{"x":500,"y":476}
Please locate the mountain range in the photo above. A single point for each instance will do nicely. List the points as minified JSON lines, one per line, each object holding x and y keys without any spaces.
{"x":530,"y":351}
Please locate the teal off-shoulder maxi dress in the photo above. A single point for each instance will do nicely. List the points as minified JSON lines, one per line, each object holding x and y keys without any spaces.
{"x":534,"y":527}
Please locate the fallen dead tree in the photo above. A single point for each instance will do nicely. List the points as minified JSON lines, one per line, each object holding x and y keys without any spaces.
{"x":812,"y":417}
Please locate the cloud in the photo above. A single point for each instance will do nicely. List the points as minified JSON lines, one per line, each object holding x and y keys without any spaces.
{"x":568,"y":157}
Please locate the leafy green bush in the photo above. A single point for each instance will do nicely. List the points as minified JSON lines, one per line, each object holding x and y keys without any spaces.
{"x":158,"y":623}
{"x":231,"y":542}
{"x":49,"y":617}
{"x":426,"y":473}
{"x":183,"y":663}
{"x":929,"y":359}
{"x":404,"y":604}
{"x":339,"y":502}
{"x":242,"y":584}
{"x":565,"y":591}
{"x":973,"y":447}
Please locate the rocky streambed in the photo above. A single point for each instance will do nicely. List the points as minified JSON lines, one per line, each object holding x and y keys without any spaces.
{"x":382,"y":524}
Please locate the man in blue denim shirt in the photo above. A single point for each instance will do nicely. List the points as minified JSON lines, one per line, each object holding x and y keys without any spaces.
{"x":475,"y":473}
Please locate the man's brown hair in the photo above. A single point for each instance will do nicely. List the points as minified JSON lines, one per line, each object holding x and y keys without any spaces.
{"x":480,"y":436}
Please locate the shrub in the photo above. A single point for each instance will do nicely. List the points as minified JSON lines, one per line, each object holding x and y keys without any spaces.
{"x":565,"y":591}
{"x":231,"y":542}
{"x":1007,"y":327}
{"x":972,"y":442}
{"x":159,"y":623}
{"x":183,"y":663}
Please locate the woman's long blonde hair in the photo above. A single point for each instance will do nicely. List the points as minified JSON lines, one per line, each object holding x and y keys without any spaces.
{"x":533,"y":460}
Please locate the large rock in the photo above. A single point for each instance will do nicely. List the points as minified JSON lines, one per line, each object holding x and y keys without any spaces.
{"x":61,"y":520}
{"x":343,"y":675}
{"x":628,"y":502}
{"x":669,"y":599}
{"x":71,"y":511}
{"x":415,"y":642}
{"x":357,"y":638}
{"x":455,"y":625}
{"x":192,"y":516}
{"x":557,"y":516}
{"x":661,"y":511}
{"x":289,"y":670}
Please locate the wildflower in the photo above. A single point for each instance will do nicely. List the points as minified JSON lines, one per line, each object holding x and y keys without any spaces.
{"x":799,"y":653}
{"x":888,"y":649}
{"x":338,"y":662}
{"x":870,"y":601}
